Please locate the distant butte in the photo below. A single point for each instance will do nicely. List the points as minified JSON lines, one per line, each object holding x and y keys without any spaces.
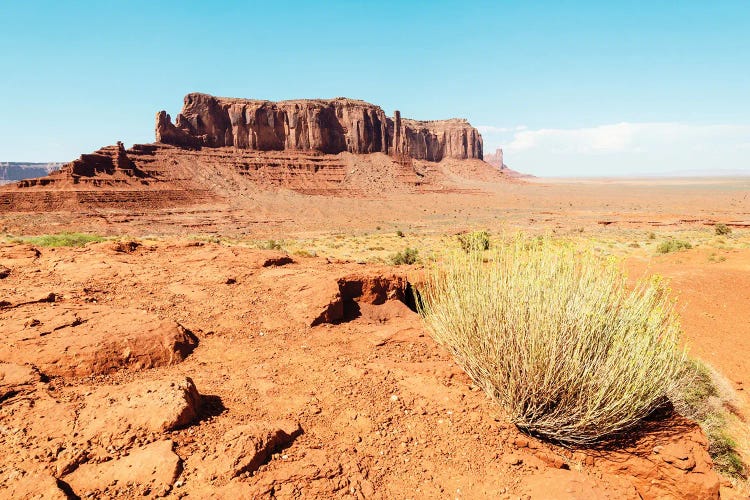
{"x":327,"y":125}
{"x":221,"y":150}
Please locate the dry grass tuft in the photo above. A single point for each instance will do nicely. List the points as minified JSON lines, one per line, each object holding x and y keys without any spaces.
{"x":474,"y":241}
{"x":65,"y":239}
{"x":705,"y":396}
{"x":555,"y":337}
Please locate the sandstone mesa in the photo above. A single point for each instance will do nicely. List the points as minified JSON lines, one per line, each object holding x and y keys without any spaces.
{"x":219,"y":148}
{"x":327,"y":125}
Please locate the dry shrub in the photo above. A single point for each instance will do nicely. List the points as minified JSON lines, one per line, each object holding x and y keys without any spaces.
{"x":474,"y":241}
{"x":556,"y":337}
{"x":707,"y":397}
{"x":408,"y":256}
{"x":65,"y":239}
{"x":722,"y":229}
{"x":668,"y":246}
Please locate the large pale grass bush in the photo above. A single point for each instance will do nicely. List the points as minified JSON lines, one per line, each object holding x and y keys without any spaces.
{"x":556,"y":337}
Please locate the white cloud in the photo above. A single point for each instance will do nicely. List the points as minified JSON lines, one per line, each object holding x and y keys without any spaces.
{"x":491,"y":129}
{"x":622,"y":148}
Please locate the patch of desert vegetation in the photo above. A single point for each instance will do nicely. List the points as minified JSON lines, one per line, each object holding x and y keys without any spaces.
{"x":64,"y":239}
{"x":569,"y":350}
{"x":583,"y":380}
{"x":556,"y":338}
{"x":706,"y":397}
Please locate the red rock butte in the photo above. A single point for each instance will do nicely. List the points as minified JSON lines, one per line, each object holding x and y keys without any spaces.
{"x":220,"y":147}
{"x":330,"y":126}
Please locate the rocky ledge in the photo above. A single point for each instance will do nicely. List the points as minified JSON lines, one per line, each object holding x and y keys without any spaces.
{"x":330,"y":126}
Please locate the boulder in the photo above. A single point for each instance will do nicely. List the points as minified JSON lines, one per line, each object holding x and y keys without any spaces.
{"x":324,"y":299}
{"x":244,"y":448}
{"x":38,"y":486}
{"x":671,"y":461}
{"x":16,"y":379}
{"x":76,"y":341}
{"x":315,"y":301}
{"x":153,"y":406}
{"x":147,"y":471}
{"x":373,"y":288}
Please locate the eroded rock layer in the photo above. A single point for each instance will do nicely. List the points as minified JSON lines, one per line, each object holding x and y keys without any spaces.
{"x":329,"y":126}
{"x":221,"y":150}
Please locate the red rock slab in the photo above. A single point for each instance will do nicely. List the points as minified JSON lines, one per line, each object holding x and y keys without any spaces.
{"x":147,"y":471}
{"x":81,"y":340}
{"x":16,"y":379}
{"x":38,"y":486}
{"x":148,"y":406}
{"x":562,"y":484}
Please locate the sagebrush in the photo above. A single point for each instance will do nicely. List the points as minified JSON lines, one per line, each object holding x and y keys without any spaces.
{"x":706,"y":397}
{"x":556,"y":337}
{"x":407,"y":256}
{"x":474,"y":241}
{"x":64,"y":239}
{"x":668,"y":246}
{"x":722,"y":229}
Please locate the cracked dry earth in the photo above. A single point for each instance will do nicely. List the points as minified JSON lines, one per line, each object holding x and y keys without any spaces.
{"x":184,"y":369}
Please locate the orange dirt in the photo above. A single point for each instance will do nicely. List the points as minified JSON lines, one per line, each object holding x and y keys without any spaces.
{"x":269,"y":376}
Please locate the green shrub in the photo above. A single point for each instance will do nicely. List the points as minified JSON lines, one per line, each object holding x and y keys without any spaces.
{"x":273,"y":245}
{"x":703,"y":396}
{"x":474,"y":241}
{"x":207,"y":238}
{"x":722,"y":229}
{"x":408,"y":256}
{"x":400,"y":233}
{"x":556,"y":337}
{"x":716,"y":258}
{"x":723,"y":451}
{"x":668,"y":246}
{"x":64,"y":239}
{"x":305,"y":253}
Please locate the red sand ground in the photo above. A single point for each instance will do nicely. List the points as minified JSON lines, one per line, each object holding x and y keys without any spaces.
{"x":366,"y":407}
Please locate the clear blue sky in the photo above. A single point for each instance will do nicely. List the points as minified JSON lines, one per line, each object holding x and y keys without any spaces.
{"x":565,"y":87}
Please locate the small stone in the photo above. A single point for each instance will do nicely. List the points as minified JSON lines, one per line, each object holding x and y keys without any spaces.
{"x":521,"y":442}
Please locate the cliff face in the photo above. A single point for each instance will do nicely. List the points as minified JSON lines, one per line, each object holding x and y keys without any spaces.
{"x":496,"y":159}
{"x":329,"y":126}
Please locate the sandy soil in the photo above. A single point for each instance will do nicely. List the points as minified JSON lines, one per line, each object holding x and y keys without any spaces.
{"x":299,"y":401}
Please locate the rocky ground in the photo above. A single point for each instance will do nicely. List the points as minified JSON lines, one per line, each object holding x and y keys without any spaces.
{"x":180,"y":368}
{"x":179,"y":359}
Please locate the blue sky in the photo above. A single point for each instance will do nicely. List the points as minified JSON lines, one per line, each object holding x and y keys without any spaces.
{"x":566,"y":88}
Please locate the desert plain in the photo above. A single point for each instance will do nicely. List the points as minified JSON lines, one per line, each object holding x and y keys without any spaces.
{"x":255,"y":336}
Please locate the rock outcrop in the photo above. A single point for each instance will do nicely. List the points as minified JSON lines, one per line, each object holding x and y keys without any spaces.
{"x":219,"y":150}
{"x":153,"y":406}
{"x":78,"y":341}
{"x":147,"y":471}
{"x":496,"y":159}
{"x":112,"y":161}
{"x":330,"y":126}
